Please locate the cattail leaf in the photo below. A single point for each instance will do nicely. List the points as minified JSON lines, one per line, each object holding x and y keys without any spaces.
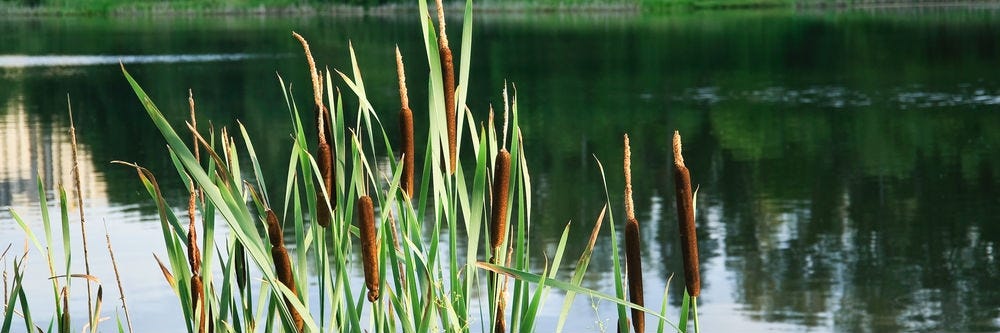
{"x":682,"y":323}
{"x":615,"y":261}
{"x":27,"y":230}
{"x":581,"y":269}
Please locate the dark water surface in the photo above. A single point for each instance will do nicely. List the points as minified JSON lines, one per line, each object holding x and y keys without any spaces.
{"x":849,"y":162}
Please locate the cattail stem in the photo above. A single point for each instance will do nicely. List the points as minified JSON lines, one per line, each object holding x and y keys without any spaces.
{"x":369,"y":245}
{"x":282,"y":264}
{"x":448,"y":77}
{"x":633,"y":246}
{"x":406,"y":130}
{"x":685,"y":220}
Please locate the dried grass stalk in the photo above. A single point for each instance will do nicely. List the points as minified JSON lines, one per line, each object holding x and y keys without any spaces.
{"x":448,"y":76}
{"x":194,"y":259}
{"x":633,"y":246}
{"x":685,"y":220}
{"x":64,"y":321}
{"x":406,"y":129}
{"x":282,"y":264}
{"x":501,"y":186}
{"x":369,"y":245}
{"x":198,"y":302}
{"x":79,"y":200}
{"x":118,"y":278}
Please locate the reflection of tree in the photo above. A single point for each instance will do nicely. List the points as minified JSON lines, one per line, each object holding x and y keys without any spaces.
{"x":833,"y":204}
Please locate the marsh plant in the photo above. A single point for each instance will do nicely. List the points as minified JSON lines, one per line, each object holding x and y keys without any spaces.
{"x":354,"y":200}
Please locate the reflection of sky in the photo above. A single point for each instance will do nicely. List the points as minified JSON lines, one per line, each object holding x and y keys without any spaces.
{"x":910,"y":97}
{"x":20,"y":61}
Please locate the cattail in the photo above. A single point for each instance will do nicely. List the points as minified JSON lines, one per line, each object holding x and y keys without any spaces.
{"x":406,"y":128}
{"x":194,"y":259}
{"x":198,"y":302}
{"x":500,"y":325}
{"x":685,"y":220}
{"x":448,"y":76}
{"x":498,"y":229}
{"x":501,"y":182}
{"x":282,"y":265}
{"x":369,"y":245}
{"x":633,"y":246}
{"x":64,"y":324}
{"x":324,"y":154}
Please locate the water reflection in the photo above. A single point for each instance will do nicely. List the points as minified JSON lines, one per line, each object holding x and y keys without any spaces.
{"x":19,"y":61}
{"x":848,"y":163}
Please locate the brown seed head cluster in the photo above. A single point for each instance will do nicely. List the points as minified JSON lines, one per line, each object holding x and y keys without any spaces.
{"x":448,"y":76}
{"x":406,"y":129}
{"x":685,"y":220}
{"x":369,"y":245}
{"x":501,"y":185}
{"x":633,"y":246}
{"x":324,"y":152}
{"x":282,"y":264}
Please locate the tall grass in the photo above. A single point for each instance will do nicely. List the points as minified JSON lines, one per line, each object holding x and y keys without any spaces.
{"x":349,"y":194}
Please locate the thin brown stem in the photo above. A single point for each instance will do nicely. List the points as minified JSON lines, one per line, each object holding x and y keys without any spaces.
{"x":79,"y":201}
{"x":118,"y":278}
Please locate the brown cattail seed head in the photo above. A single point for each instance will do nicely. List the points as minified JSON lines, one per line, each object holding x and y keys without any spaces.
{"x":409,"y":160}
{"x":685,"y":220}
{"x":633,"y":267}
{"x":324,"y":160}
{"x":369,"y":245}
{"x":282,"y":264}
{"x":448,"y":76}
{"x":501,"y":182}
{"x":406,"y":128}
{"x":194,"y":255}
{"x":198,"y":301}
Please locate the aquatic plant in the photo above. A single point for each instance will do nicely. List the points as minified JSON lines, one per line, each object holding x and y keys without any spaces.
{"x":348,"y":191}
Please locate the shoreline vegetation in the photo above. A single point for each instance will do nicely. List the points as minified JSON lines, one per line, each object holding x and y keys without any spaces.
{"x":391,"y":7}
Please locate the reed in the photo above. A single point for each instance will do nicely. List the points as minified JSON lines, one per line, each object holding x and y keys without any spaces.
{"x":406,"y":130}
{"x":685,"y":220}
{"x":633,"y":246}
{"x":324,"y":154}
{"x":448,"y":75}
{"x":369,"y":245}
{"x":282,"y":264}
{"x":83,"y":221}
{"x":118,"y":279}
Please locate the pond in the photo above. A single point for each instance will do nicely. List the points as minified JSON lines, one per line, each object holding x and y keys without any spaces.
{"x":848,"y":162}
